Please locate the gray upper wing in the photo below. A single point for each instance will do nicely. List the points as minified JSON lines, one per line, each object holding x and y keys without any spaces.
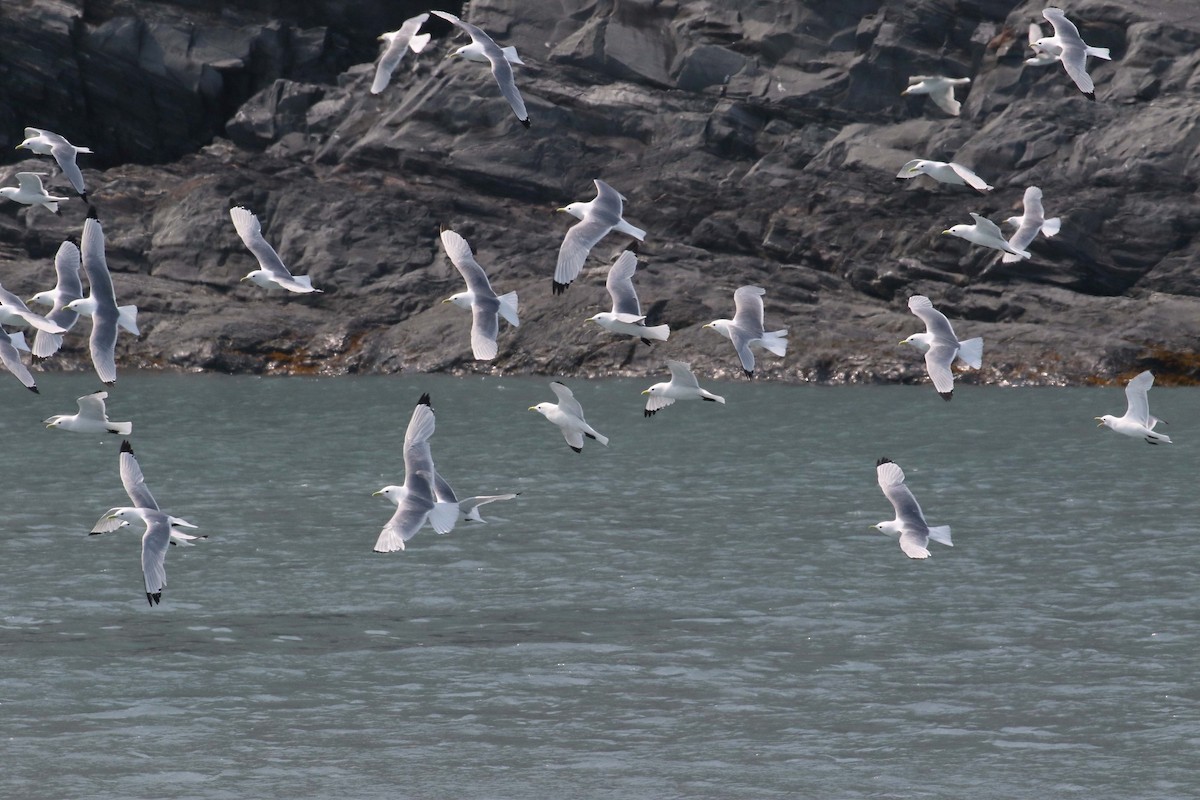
{"x":250,"y":231}
{"x":460,"y":255}
{"x":935,"y":321}
{"x":620,"y":285}
{"x":133,"y":480}
{"x":748,"y":312}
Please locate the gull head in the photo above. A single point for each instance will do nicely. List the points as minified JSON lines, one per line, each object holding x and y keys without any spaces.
{"x":576,"y":210}
{"x":919,"y":341}
{"x":46,"y":298}
{"x":721,"y":326}
{"x":891,"y":527}
{"x":462,"y":300}
{"x":542,"y":408}
{"x":53,"y":422}
{"x":84,"y":305}
{"x":1047,"y":45}
{"x":393,"y":493}
{"x":1106,"y":420}
{"x":958,"y":230}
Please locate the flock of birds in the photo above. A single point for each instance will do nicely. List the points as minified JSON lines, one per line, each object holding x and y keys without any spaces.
{"x":425,"y":496}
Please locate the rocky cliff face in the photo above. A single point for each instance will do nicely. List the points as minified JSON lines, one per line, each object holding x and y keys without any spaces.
{"x":757,"y":141}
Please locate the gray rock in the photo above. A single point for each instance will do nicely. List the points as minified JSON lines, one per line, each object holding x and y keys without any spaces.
{"x":757,"y":141}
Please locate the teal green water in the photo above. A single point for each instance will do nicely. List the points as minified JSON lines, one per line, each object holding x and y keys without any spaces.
{"x":699,"y":610}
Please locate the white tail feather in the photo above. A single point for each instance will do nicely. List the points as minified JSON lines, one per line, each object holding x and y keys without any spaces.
{"x":508,"y":308}
{"x":123,"y":428}
{"x":941,"y":535}
{"x":127,"y":319}
{"x":443,"y":517}
{"x":46,"y":344}
{"x":418,"y":42}
{"x":970,"y":352}
{"x":775,"y":342}
{"x":658,"y":333}
{"x":1052,"y":226}
{"x":627,"y":229}
{"x":1099,"y":52}
{"x":18,"y":340}
{"x":510,"y":55}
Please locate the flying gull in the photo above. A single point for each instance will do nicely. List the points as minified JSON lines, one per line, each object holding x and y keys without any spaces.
{"x":1137,"y":420}
{"x":158,"y":524}
{"x":598,"y":217}
{"x":944,"y":172}
{"x":909,"y":523}
{"x":986,"y":234}
{"x":101,"y":303}
{"x":1030,"y":223}
{"x":941,"y":346}
{"x":485,"y":306}
{"x":29,"y":191}
{"x":682,"y":386}
{"x":940,"y":90}
{"x":626,"y":316}
{"x":415,"y":500}
{"x":270,"y":267}
{"x":396,"y":44}
{"x":483,"y":50}
{"x":67,"y":288}
{"x":48,"y":143}
{"x":746,"y":327}
{"x":10,"y":345}
{"x":1071,"y":50}
{"x":13,"y":311}
{"x":92,"y":417}
{"x":468,"y":509}
{"x":568,"y":415}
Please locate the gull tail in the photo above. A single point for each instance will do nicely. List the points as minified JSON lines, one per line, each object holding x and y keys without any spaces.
{"x":775,"y":342}
{"x":510,"y":55}
{"x":443,"y":517}
{"x":1099,"y":52}
{"x":658,"y":332}
{"x":46,"y":344}
{"x":418,"y":42}
{"x":592,"y":434}
{"x":1051,"y":226}
{"x":127,"y":319}
{"x":627,"y":229}
{"x":1014,"y":254}
{"x":941,"y":534}
{"x":123,"y":428}
{"x":970,"y":352}
{"x":705,"y":394}
{"x":79,"y":149}
{"x":508,"y":308}
{"x":17,"y":338}
{"x":1154,"y":438}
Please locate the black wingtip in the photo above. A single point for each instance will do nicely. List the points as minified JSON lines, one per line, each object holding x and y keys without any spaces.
{"x":153,"y":599}
{"x":33,"y":389}
{"x":590,"y":435}
{"x":647,"y":342}
{"x":126,"y":447}
{"x":946,"y":395}
{"x":709,"y":399}
{"x":424,"y":401}
{"x":576,"y":449}
{"x":525,"y":122}
{"x":647,"y":413}
{"x":92,"y":212}
{"x":558,"y":288}
{"x":884,"y":460}
{"x":749,"y":373}
{"x":1090,"y":96}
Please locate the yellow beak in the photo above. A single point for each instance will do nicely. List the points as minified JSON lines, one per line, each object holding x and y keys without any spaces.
{"x":645,"y":391}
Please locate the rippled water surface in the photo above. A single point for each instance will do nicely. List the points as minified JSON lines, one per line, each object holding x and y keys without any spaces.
{"x":698,"y":611}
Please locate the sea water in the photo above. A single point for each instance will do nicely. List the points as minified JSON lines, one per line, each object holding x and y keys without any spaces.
{"x":699,"y":610}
